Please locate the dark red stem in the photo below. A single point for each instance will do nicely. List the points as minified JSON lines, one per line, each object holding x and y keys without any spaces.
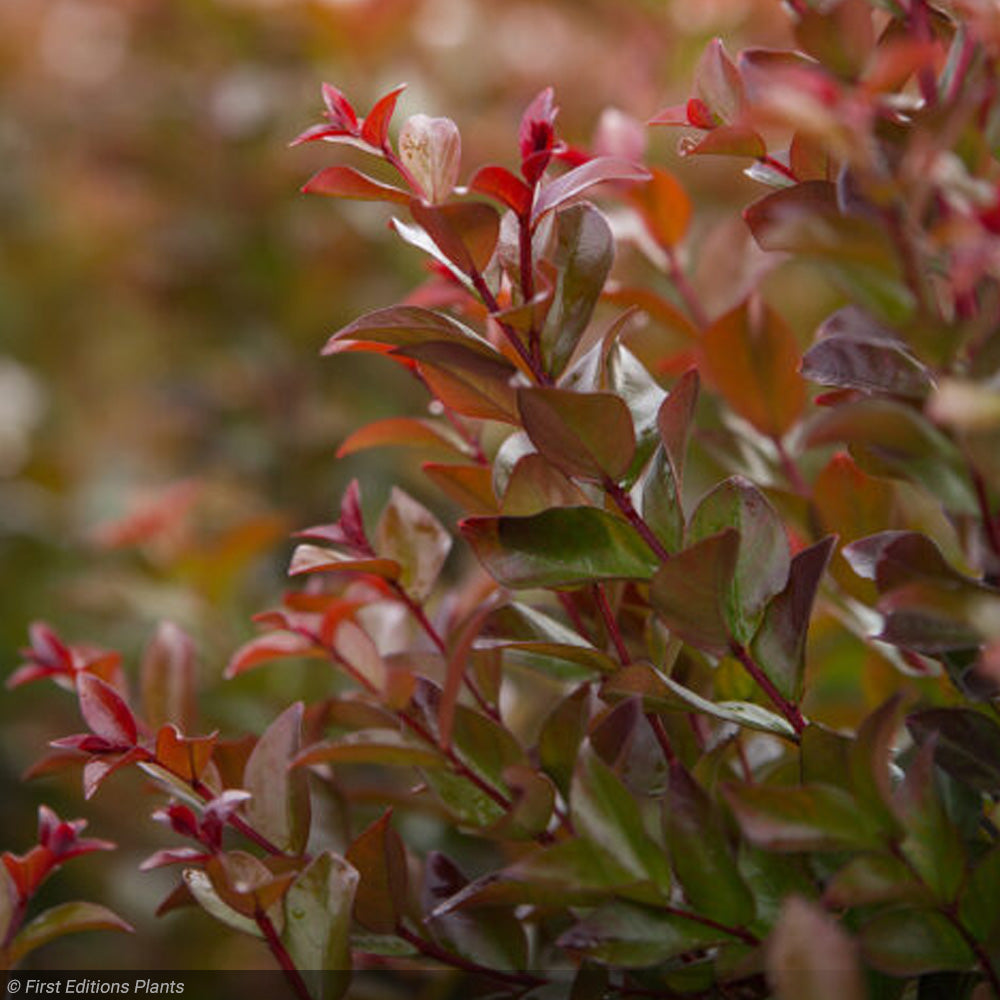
{"x":787,"y":708}
{"x":624,"y":503}
{"x":686,"y":291}
{"x":292,"y":974}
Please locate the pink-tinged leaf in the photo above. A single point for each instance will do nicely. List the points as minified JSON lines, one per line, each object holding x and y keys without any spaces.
{"x":689,"y":591}
{"x":431,"y":151}
{"x":408,"y":431}
{"x":507,"y":188}
{"x":718,"y":83}
{"x":173,"y":856}
{"x":465,"y":232}
{"x":279,"y":803}
{"x":411,"y":537}
{"x":455,"y":671}
{"x":339,"y":109}
{"x":580,"y":179}
{"x":322,"y":131}
{"x":168,"y":678}
{"x":47,"y":648}
{"x":727,"y":140}
{"x":375,"y":127}
{"x":346,"y":182}
{"x":265,"y":648}
{"x":105,"y":711}
{"x":66,"y":918}
{"x":674,"y":419}
{"x":810,"y":955}
{"x":536,"y":135}
{"x":315,"y":559}
{"x":372,"y":746}
{"x":676,"y":114}
{"x":97,"y":770}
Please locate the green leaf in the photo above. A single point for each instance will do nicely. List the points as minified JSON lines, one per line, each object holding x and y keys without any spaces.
{"x":200,"y":886}
{"x":589,"y":435}
{"x":469,"y":805}
{"x":801,"y":818}
{"x":605,"y":812}
{"x":978,"y":902}
{"x":279,"y":806}
{"x":65,"y":918}
{"x":895,"y":558}
{"x":518,"y":626}
{"x":633,"y":936}
{"x":870,"y":758}
{"x":779,"y":645}
{"x":562,"y":734}
{"x":410,"y":535}
{"x":379,"y":856}
{"x":318,"y":907}
{"x":968,"y":744}
{"x":762,"y":562}
{"x":689,"y":591}
{"x":660,"y":502}
{"x":910,"y":942}
{"x":752,"y":357}
{"x":891,"y":439}
{"x":663,"y":694}
{"x":584,"y":250}
{"x":933,"y":845}
{"x":810,"y":955}
{"x":627,"y":377}
{"x":700,"y":853}
{"x":567,"y":873}
{"x":562,"y":547}
{"x":675,"y":417}
{"x":372,"y":746}
{"x":873,"y":878}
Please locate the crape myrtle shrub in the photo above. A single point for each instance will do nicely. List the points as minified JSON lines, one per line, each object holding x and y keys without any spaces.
{"x":674,"y":522}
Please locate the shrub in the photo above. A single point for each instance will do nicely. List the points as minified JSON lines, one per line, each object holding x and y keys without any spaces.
{"x":626,"y":703}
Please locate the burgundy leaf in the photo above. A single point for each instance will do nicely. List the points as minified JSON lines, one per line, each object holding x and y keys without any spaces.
{"x":105,"y":711}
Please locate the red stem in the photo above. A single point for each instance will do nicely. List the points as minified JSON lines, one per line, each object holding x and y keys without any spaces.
{"x":686,"y":291}
{"x":611,"y":624}
{"x":292,"y":974}
{"x":787,"y":708}
{"x":625,"y":505}
{"x":778,"y":167}
{"x":660,"y":732}
{"x":240,"y":824}
{"x":790,"y":469}
{"x":435,"y":951}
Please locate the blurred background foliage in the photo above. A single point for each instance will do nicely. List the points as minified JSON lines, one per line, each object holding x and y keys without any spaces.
{"x":165,"y":421}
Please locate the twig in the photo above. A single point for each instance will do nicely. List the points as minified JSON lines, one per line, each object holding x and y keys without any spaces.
{"x":624,"y":503}
{"x":787,"y":708}
{"x":686,"y":291}
{"x":280,"y":953}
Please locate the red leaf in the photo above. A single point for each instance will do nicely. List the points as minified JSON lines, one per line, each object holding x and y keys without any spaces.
{"x":339,"y":109}
{"x":278,"y":646}
{"x":105,"y":711}
{"x":375,"y":127}
{"x":536,"y":135}
{"x":185,"y":756}
{"x":346,"y":182}
{"x":676,"y":114}
{"x":505,"y":187}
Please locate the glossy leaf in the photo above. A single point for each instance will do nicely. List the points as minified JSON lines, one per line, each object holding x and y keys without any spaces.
{"x":409,"y":535}
{"x":873,"y":878}
{"x":499,"y":183}
{"x":404,"y":326}
{"x":752,"y":357}
{"x":318,"y":908}
{"x":779,"y":645}
{"x":379,"y":857}
{"x":534,"y":486}
{"x":580,"y":179}
{"x":62,"y":919}
{"x":762,"y":561}
{"x":105,"y":711}
{"x":700,"y":854}
{"x":465,"y":232}
{"x":562,"y":547}
{"x":470,"y":486}
{"x":279,"y":803}
{"x":872,"y":366}
{"x":805,"y":818}
{"x":689,"y":591}
{"x":562,"y":734}
{"x":375,"y":127}
{"x":168,"y":678}
{"x":346,"y":182}
{"x":584,"y":250}
{"x":717,"y":82}
{"x":634,"y":936}
{"x":605,"y":813}
{"x":372,"y":746}
{"x":266,"y":649}
{"x":910,"y":942}
{"x":588,"y":435}
{"x":660,"y":501}
{"x":626,"y":376}
{"x":675,"y":417}
{"x":810,"y":955}
{"x":187,"y":757}
{"x":201,"y":888}
{"x":317,"y":559}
